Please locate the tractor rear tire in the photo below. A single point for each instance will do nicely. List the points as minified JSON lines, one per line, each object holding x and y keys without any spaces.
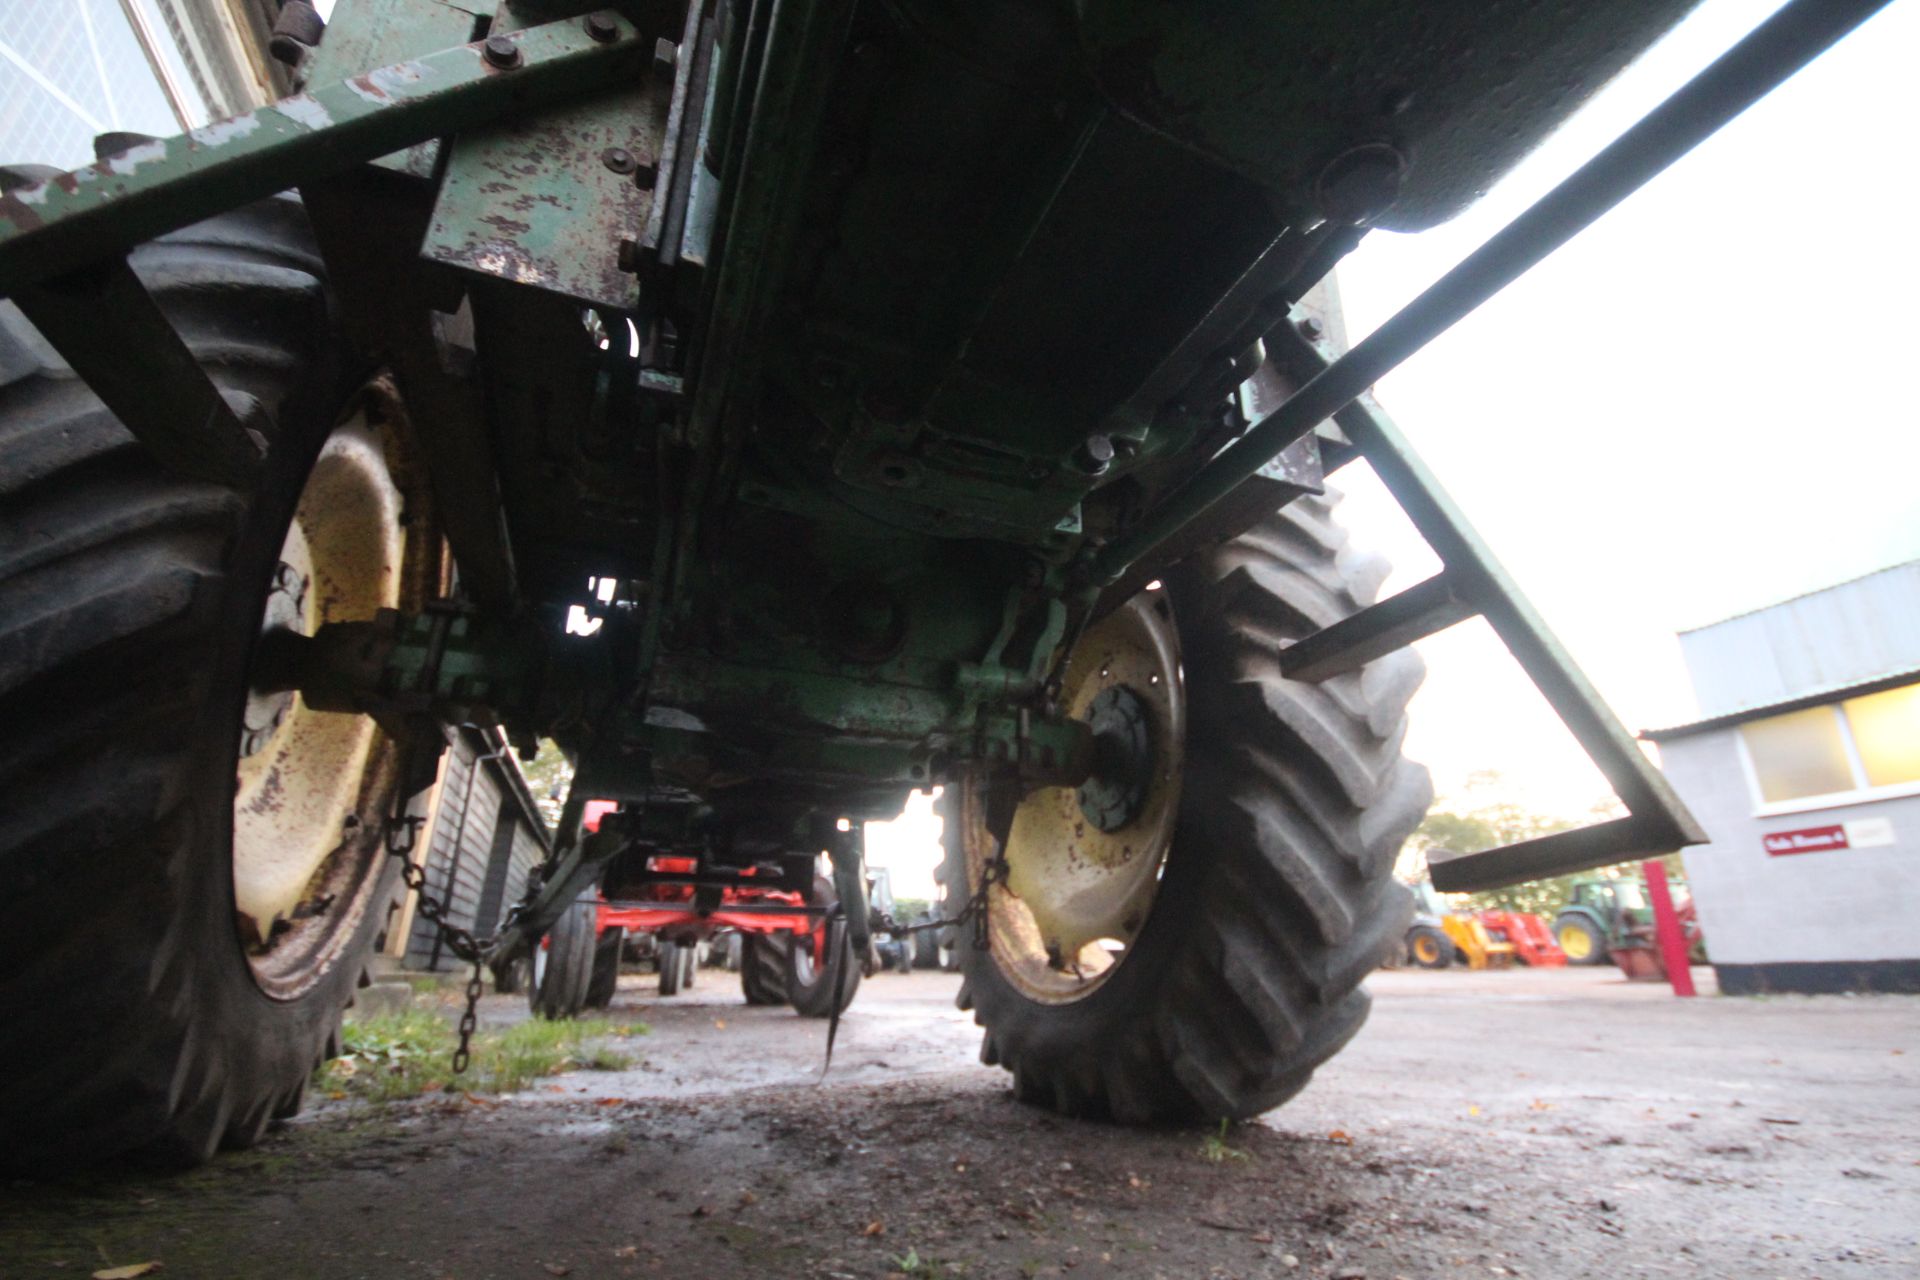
{"x":1582,"y":942}
{"x":763,"y":970}
{"x":563,"y":969}
{"x":1430,"y":948}
{"x":605,"y":979}
{"x":1276,"y":896}
{"x":131,"y":599}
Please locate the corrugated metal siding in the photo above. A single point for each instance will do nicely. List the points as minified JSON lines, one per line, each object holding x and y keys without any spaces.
{"x":525,"y":854}
{"x":1829,"y":639}
{"x":457,"y":857}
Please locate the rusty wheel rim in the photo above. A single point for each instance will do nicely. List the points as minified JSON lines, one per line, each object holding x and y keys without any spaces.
{"x":310,"y":787}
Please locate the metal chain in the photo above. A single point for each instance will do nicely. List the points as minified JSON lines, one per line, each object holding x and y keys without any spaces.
{"x":403,"y":833}
{"x":975,"y":910}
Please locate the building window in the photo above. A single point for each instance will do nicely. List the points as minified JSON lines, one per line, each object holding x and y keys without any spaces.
{"x":1886,"y":728}
{"x":1861,"y":744}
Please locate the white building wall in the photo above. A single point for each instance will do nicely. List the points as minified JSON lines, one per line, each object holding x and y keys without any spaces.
{"x":1855,"y":904}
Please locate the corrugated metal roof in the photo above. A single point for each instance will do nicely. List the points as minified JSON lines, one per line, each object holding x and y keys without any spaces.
{"x":1812,"y":698}
{"x":1825,"y":640}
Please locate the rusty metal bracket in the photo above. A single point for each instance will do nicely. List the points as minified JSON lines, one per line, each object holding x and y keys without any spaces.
{"x":1474,"y":582}
{"x":545,"y":198}
{"x":101,"y":211}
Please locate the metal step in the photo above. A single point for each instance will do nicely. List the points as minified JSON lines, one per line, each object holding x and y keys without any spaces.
{"x":1473,"y":582}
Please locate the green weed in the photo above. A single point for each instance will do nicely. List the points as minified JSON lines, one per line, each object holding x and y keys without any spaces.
{"x":912,"y":1264}
{"x":1215,"y":1149}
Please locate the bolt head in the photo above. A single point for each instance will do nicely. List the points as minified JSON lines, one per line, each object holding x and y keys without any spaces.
{"x":1360,"y":185}
{"x":619,"y":159}
{"x":1312,"y":329}
{"x":501,"y":52}
{"x":1095,"y":454}
{"x":601,"y":26}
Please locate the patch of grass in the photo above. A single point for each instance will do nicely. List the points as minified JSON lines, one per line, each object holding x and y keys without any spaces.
{"x":390,"y":1056}
{"x":1215,"y":1149}
{"x":912,"y":1264}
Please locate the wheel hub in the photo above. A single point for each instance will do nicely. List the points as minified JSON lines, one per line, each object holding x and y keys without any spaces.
{"x":1122,"y":758}
{"x":285,"y":611}
{"x":1083,"y":864}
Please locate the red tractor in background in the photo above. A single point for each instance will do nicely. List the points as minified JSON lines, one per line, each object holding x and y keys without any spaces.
{"x":674,"y":901}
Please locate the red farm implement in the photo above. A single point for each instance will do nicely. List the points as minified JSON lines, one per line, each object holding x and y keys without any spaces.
{"x":1532,"y":941}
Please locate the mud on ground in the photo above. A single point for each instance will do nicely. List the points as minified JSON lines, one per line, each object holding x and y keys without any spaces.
{"x":1530,"y":1124}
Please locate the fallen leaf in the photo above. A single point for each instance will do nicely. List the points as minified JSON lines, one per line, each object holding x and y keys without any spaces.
{"x":747,"y":1198}
{"x":608,"y":1102}
{"x":1339,"y":1138}
{"x":1473,"y":1111}
{"x":1261,"y":1237}
{"x":719,"y":1024}
{"x":127,"y":1272}
{"x":874,"y":1228}
{"x":627,"y":1251}
{"x":556,"y":1268}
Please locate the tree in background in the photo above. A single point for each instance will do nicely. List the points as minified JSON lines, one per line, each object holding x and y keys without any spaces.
{"x":1479,"y":819}
{"x":548,"y":776}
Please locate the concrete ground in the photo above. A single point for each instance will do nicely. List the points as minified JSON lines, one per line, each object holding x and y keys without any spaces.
{"x":1557,"y":1123}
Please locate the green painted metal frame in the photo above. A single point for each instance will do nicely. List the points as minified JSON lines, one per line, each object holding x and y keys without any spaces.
{"x":97,"y":213}
{"x":1474,"y":582}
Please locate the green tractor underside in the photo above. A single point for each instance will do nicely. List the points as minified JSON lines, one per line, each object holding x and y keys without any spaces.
{"x":798,"y":384}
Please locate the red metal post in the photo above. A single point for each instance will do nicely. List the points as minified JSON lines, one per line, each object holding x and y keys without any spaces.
{"x":1666,"y":929}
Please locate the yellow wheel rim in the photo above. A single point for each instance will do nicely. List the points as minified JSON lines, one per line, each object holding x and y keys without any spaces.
{"x":1077,"y":894}
{"x":1576,"y":942}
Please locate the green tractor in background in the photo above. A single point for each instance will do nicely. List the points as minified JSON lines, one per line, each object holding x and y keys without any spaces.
{"x":1606,"y":915}
{"x":783,"y":407}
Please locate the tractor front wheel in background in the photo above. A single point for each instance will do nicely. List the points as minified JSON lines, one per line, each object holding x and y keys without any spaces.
{"x":1430,"y":948}
{"x":194,"y":869}
{"x":1580,"y":940}
{"x":1185,"y":934}
{"x":672,"y":965}
{"x":563,"y":964}
{"x":763,"y":970}
{"x":811,"y":956}
{"x":605,"y":978}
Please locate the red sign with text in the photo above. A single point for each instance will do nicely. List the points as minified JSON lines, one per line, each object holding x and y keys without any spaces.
{"x":1808,"y":840}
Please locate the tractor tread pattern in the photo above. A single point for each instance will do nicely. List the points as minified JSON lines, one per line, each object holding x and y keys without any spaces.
{"x":112,"y":573}
{"x":1301,"y":795}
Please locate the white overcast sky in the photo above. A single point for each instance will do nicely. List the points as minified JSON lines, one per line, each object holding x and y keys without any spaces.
{"x":1706,"y":403}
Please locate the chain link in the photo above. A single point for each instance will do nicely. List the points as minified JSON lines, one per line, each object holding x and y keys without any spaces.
{"x":403,"y":833}
{"x":975,"y":910}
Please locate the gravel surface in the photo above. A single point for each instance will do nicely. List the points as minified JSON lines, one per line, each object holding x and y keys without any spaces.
{"x":1549,"y":1124}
